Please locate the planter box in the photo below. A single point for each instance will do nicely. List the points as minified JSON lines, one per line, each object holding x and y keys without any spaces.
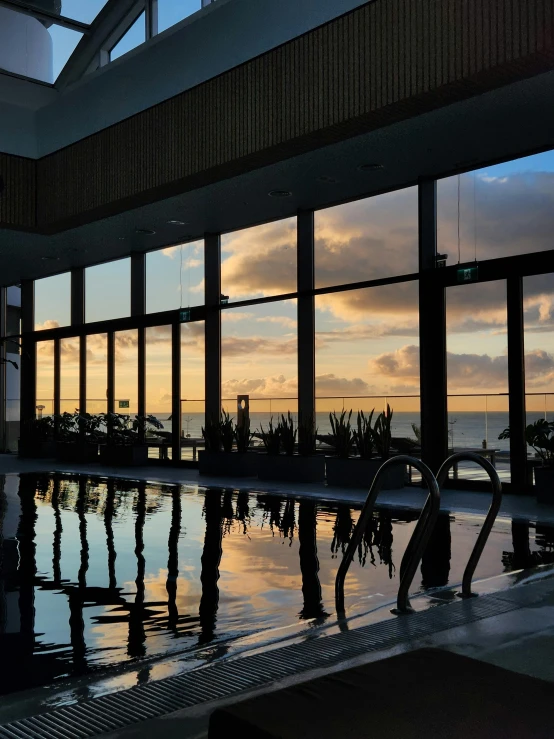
{"x":291,"y":469}
{"x":36,"y":449}
{"x":228,"y":464}
{"x":359,"y":473}
{"x":544,"y":484}
{"x":125,"y":454}
{"x":76,"y":452}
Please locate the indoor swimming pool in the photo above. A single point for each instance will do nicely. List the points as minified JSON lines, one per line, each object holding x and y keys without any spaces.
{"x":99,"y":574}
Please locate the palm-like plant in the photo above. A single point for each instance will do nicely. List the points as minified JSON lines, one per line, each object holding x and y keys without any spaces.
{"x":287,"y":433}
{"x":243,"y":436}
{"x":271,"y":438}
{"x":341,"y":432}
{"x":363,"y":435}
{"x":382,"y":433}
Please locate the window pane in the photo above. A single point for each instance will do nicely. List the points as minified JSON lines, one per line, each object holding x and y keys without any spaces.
{"x":503,"y":210}
{"x":192,"y":385}
{"x":171,"y":12}
{"x":64,"y":43}
{"x":367,"y":354}
{"x":538,"y":306}
{"x":97,"y":373}
{"x":158,"y":382}
{"x":135,"y":36}
{"x":259,"y":261}
{"x":126,"y":372}
{"x":259,"y":358}
{"x":84,"y":11}
{"x":108,"y":291}
{"x":53,"y":301}
{"x":175,"y":277}
{"x":69,"y":375}
{"x":367,"y":239}
{"x":45,"y":378}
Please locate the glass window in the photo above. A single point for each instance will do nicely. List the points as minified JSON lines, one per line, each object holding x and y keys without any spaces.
{"x":367,"y":239}
{"x":259,"y":261}
{"x":126,"y":372}
{"x":135,"y":36}
{"x":192,"y":386}
{"x":53,"y":301}
{"x":498,"y":211}
{"x":84,"y":11}
{"x":158,"y":384}
{"x":175,"y":277}
{"x":45,"y":378}
{"x":108,"y":291}
{"x":64,"y":43}
{"x":367,"y":354}
{"x":97,"y":373}
{"x":538,"y":311}
{"x":69,"y":375}
{"x":171,"y":12}
{"x":259,"y":351}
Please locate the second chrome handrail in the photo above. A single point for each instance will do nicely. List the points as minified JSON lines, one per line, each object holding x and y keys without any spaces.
{"x":491,"y":515}
{"x":417,"y":543}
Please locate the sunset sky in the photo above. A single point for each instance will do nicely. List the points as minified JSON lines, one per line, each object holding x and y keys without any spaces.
{"x":367,"y":340}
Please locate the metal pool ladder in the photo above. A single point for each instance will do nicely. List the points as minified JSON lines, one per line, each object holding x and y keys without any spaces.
{"x":491,"y":515}
{"x":418,"y":540}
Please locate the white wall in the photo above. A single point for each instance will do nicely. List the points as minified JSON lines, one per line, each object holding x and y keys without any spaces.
{"x":215,"y":39}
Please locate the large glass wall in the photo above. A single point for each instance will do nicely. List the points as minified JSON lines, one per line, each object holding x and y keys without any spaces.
{"x":175,"y":277}
{"x":158,"y":383}
{"x":126,"y":372}
{"x":108,"y":290}
{"x":367,"y":354}
{"x":69,"y":375}
{"x":260,"y":261}
{"x":538,"y":305}
{"x":259,"y":356}
{"x":367,"y":239}
{"x":97,"y":373}
{"x":53,"y":301}
{"x":45,"y":378}
{"x":192,"y":388}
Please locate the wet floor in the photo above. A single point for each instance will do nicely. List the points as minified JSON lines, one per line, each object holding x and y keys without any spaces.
{"x":101,"y":573}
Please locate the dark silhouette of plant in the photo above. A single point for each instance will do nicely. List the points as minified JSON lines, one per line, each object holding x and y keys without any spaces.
{"x":341,"y":434}
{"x":212,"y":435}
{"x":307,"y":433}
{"x":227,"y":430}
{"x":288,"y":433}
{"x":540,"y":436}
{"x":382,"y":433}
{"x":363,"y":435}
{"x":243,"y":436}
{"x":271,"y":438}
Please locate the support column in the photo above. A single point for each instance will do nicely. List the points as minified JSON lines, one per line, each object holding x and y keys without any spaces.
{"x":111,"y":372}
{"x":57,"y":377}
{"x":78,"y":319}
{"x":306,"y":317}
{"x":516,"y":385}
{"x":28,"y":356}
{"x":138,"y":308}
{"x":212,"y":287}
{"x":432,"y":335}
{"x":176,"y":392}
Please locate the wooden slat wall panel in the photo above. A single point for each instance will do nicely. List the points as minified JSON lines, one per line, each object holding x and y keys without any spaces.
{"x":18,"y":195}
{"x":384,"y":61}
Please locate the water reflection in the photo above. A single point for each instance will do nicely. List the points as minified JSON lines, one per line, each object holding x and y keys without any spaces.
{"x":97,"y":572}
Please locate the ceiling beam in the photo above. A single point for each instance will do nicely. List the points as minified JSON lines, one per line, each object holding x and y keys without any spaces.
{"x":108,"y":27}
{"x":44,"y":15}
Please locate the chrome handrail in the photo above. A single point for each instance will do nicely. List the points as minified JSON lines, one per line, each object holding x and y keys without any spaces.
{"x":491,"y":515}
{"x":418,"y":541}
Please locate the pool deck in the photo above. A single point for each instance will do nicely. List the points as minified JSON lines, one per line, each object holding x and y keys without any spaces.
{"x":521,"y":638}
{"x":517,"y":507}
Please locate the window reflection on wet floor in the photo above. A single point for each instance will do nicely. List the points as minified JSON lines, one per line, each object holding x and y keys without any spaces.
{"x":97,"y":573}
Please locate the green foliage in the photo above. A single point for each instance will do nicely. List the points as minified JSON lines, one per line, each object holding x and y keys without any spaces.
{"x":382,"y":433}
{"x":341,"y":433}
{"x":307,"y":433}
{"x":363,"y":435}
{"x":540,"y":436}
{"x":65,"y":426}
{"x":243,"y":436}
{"x":88,"y":425}
{"x":271,"y":438}
{"x":41,"y":429}
{"x":212,"y":435}
{"x":227,"y":431}
{"x":288,"y":433}
{"x":118,"y":427}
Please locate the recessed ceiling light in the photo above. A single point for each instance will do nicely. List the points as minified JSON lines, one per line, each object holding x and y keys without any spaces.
{"x":371,"y":167}
{"x":177,"y":223}
{"x":326,"y":178}
{"x":121,"y":238}
{"x":50,"y":259}
{"x":145,"y":231}
{"x":279,"y":194}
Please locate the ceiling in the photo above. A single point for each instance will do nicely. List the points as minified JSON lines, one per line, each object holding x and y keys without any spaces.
{"x":512,"y":121}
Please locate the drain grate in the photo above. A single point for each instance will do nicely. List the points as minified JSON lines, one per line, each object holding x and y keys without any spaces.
{"x":221,"y":680}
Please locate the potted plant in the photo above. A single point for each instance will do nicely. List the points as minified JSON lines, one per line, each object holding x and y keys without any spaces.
{"x":290,"y":466}
{"x":37,"y":440}
{"x":372,"y":446}
{"x":76,"y":437}
{"x":540,"y":436}
{"x":218,"y":458}
{"x":126,"y":438}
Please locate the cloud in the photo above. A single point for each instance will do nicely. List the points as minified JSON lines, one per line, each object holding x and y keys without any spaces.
{"x":239,"y":346}
{"x":331,"y":385}
{"x":277,"y":386}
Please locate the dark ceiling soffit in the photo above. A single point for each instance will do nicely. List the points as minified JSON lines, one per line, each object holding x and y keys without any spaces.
{"x":44,"y":15}
{"x":108,"y":27}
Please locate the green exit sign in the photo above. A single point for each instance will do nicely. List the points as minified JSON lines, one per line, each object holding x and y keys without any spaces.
{"x":123,"y":403}
{"x":468,"y":274}
{"x":184,"y":315}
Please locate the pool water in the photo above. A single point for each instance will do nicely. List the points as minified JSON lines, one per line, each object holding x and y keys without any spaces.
{"x":100,"y":573}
